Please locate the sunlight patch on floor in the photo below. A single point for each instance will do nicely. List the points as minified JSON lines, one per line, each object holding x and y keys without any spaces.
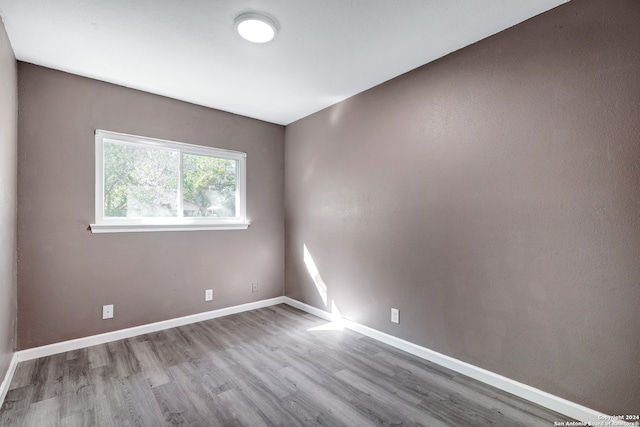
{"x":337,"y":321}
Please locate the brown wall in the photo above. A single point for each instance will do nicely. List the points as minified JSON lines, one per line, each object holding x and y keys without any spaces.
{"x":66,"y":273}
{"x":493,"y":197}
{"x":8,"y":198}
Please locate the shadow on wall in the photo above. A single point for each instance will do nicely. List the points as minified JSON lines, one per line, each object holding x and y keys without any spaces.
{"x":337,"y":321}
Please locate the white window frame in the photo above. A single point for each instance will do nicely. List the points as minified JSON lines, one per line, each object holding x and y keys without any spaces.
{"x":123,"y":225}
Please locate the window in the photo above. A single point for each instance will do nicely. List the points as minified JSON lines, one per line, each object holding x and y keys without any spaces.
{"x":145,"y":184}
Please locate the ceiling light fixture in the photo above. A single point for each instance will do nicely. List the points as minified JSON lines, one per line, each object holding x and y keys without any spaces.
{"x":255,"y":27}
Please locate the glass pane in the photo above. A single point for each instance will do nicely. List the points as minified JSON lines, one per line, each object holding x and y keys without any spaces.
{"x":140,"y":182}
{"x":209,"y":186}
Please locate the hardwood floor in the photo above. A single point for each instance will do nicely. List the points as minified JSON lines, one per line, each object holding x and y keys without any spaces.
{"x":272,"y":366}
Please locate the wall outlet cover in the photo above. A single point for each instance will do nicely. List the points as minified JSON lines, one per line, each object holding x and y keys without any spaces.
{"x":254,"y":287}
{"x":107,"y":311}
{"x":395,"y":315}
{"x":208,"y":294}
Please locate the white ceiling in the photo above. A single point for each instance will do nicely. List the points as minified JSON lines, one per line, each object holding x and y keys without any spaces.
{"x":325,"y":51}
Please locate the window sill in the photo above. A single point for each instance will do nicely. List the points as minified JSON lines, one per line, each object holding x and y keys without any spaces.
{"x":136,"y":228}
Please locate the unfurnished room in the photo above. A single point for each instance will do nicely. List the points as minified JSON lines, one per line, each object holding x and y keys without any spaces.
{"x":319,"y":212}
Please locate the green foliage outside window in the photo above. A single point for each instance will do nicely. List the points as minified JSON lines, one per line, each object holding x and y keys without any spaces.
{"x":144,"y":182}
{"x":209,"y":186}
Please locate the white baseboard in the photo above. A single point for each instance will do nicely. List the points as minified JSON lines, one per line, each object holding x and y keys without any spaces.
{"x":309,"y":309}
{"x":532,"y":394}
{"x":4,"y":386}
{"x":75,"y":344}
{"x":542,"y":398}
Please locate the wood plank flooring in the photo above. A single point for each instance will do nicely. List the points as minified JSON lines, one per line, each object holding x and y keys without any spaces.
{"x":275,"y":366}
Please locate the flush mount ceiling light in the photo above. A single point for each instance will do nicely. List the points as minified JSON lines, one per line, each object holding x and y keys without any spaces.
{"x":255,"y":27}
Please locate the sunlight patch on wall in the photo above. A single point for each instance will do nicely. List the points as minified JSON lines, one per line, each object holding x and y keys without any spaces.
{"x":337,"y":322}
{"x":315,"y":275}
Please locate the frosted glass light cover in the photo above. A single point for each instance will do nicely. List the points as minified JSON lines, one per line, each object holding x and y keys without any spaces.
{"x":255,"y":28}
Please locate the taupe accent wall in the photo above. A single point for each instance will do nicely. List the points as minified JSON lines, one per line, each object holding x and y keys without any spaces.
{"x":8,"y":199}
{"x":66,"y":273}
{"x":493,"y":196}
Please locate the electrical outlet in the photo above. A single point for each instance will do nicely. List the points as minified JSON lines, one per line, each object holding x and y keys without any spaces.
{"x":254,"y":287}
{"x":107,"y":311}
{"x":208,"y":295}
{"x":395,"y":315}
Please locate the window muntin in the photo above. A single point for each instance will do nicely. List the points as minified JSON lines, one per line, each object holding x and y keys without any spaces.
{"x":154,"y":184}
